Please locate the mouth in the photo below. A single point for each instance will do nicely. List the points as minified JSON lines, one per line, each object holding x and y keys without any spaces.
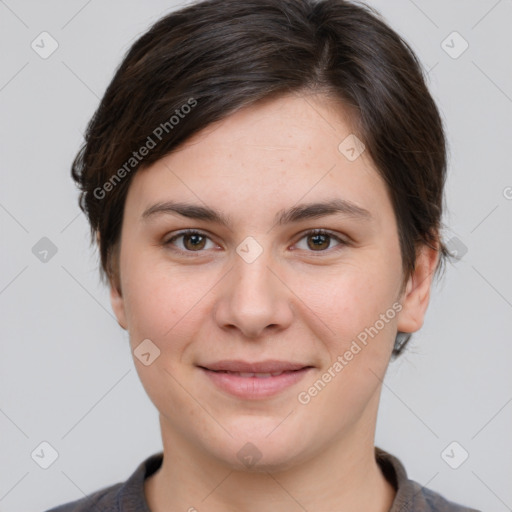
{"x":253,"y":374}
{"x":255,"y":380}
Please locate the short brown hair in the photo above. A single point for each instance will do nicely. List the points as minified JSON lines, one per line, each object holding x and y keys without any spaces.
{"x":217,"y":56}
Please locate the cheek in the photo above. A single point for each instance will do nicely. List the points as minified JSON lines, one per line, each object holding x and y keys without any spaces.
{"x":358,"y":309}
{"x":356,"y":303}
{"x":164,"y":305}
{"x":350,"y":297}
{"x":157,"y":294}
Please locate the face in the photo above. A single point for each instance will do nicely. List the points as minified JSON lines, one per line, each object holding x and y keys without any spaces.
{"x":274,"y":317}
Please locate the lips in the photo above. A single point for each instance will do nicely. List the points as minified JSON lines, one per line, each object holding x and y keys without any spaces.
{"x":262,"y":368}
{"x":259,"y":375}
{"x":254,"y":380}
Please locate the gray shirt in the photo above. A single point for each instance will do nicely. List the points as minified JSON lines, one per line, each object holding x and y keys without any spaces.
{"x":129,"y":496}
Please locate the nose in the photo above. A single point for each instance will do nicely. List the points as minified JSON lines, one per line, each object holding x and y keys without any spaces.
{"x":253,"y":299}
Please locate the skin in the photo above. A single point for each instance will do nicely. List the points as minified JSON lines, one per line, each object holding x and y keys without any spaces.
{"x":295,"y":302}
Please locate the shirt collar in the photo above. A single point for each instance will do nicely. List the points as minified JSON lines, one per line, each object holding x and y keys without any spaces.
{"x":409,"y":494}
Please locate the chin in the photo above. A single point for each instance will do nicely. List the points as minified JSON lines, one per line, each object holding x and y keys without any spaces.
{"x":253,"y":459}
{"x":264,"y":450}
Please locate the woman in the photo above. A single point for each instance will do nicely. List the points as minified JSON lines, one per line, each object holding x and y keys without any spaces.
{"x":264,"y":180}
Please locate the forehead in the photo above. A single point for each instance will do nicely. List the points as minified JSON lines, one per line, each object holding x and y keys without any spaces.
{"x":299,"y":122}
{"x":264,"y":158}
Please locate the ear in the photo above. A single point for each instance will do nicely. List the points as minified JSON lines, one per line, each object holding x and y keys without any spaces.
{"x":117,"y":301}
{"x":112,"y":273}
{"x":417,"y":293}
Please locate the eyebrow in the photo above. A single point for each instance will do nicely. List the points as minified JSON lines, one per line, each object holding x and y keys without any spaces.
{"x":287,"y":216}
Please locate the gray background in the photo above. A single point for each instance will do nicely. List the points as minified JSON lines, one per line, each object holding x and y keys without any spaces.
{"x":66,"y":372}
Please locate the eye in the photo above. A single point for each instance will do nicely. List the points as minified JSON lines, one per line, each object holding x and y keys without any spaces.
{"x":192,"y":241}
{"x":319,"y":240}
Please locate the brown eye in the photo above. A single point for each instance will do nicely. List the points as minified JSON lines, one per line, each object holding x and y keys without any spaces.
{"x":191,"y":241}
{"x":194,"y":242}
{"x":320,"y":241}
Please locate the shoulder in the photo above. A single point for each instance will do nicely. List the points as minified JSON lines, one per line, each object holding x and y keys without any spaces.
{"x":125,"y":496}
{"x":411,"y":496}
{"x":437,"y":503}
{"x":102,"y":500}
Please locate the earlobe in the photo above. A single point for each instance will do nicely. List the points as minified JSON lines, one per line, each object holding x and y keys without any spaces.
{"x":117,"y":301}
{"x":114,"y":281}
{"x":416,"y":297}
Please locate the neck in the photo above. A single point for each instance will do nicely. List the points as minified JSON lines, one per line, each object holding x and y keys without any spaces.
{"x":346,"y":472}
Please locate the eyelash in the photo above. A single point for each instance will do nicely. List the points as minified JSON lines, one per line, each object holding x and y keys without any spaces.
{"x":312,"y":232}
